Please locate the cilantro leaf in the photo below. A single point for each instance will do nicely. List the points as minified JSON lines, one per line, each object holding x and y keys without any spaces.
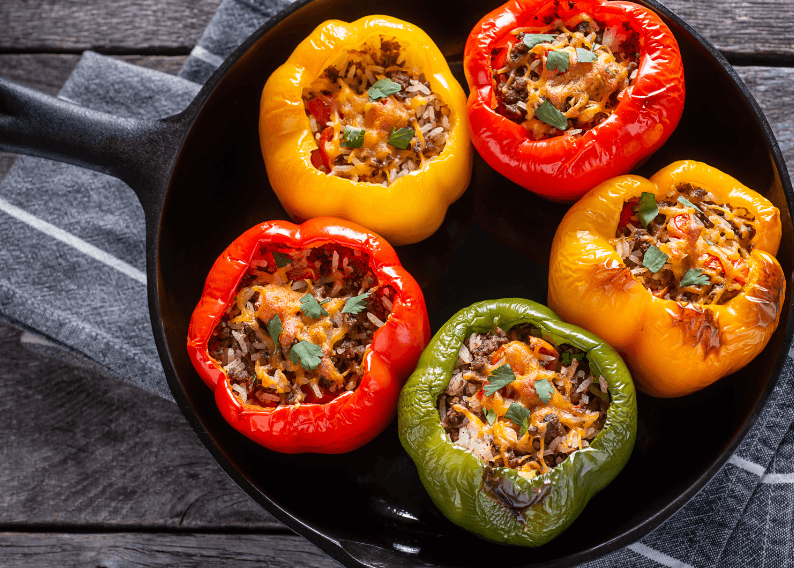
{"x":307,"y":354}
{"x":352,"y":137}
{"x":566,"y":357}
{"x":550,"y":115}
{"x":517,"y":413}
{"x":382,"y":88}
{"x":654,"y":259}
{"x":490,"y":415}
{"x":281,"y":259}
{"x":694,"y":277}
{"x":357,"y":304}
{"x":499,"y":377}
{"x":311,"y":307}
{"x":401,"y":138}
{"x":684,"y":201}
{"x":559,"y":60}
{"x":544,"y":389}
{"x":531,"y":40}
{"x":585,"y":56}
{"x":274,"y":328}
{"x":647,"y":210}
{"x":524,"y":428}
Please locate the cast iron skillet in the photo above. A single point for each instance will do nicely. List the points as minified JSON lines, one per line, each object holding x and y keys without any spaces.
{"x":202,"y":182}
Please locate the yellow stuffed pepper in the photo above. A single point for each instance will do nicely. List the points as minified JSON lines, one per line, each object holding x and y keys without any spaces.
{"x":366,"y":122}
{"x":677,"y":272}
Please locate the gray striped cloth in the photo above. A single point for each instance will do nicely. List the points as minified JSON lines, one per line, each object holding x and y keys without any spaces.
{"x":72,"y":245}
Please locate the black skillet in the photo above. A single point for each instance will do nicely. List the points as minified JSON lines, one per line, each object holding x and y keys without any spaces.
{"x":202,"y":182}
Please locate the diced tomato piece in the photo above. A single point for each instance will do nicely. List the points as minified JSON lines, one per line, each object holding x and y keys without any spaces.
{"x":627,"y":212}
{"x":714,"y":263}
{"x":320,"y":156}
{"x":319,"y":110}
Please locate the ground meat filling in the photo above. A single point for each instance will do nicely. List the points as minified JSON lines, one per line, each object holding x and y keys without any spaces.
{"x":706,"y":244}
{"x":574,"y":411}
{"x":292,"y":286}
{"x":581,"y":67}
{"x":364,"y":136}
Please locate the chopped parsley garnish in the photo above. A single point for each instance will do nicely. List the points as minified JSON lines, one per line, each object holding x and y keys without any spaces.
{"x":684,"y":201}
{"x":585,"y":56}
{"x":654,"y":259}
{"x":566,"y":357}
{"x":559,"y":60}
{"x":357,"y":304}
{"x":498,"y":378}
{"x":694,"y":277}
{"x":647,"y":210}
{"x":550,"y":115}
{"x":544,"y":389}
{"x":352,"y":137}
{"x":382,"y":89}
{"x":312,"y":308}
{"x":274,"y":328}
{"x":252,"y":382}
{"x":281,"y":259}
{"x":518,"y":415}
{"x":490,"y":415}
{"x":531,"y":40}
{"x":307,"y":354}
{"x":401,"y":138}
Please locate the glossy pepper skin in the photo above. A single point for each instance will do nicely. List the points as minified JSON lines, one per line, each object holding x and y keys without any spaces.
{"x":564,"y":168}
{"x":353,"y":418}
{"x":461,"y":486}
{"x":413,"y":206}
{"x":671,"y":350}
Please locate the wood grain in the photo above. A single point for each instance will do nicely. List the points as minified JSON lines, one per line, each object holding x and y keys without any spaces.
{"x":749,"y":31}
{"x":132,"y":550}
{"x":746,"y":31}
{"x":111,"y":26}
{"x":79,"y":449}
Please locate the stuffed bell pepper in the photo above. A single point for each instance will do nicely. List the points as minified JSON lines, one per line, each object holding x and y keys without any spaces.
{"x":677,"y":272}
{"x":565,"y":95}
{"x":307,"y":333}
{"x":515,"y":419}
{"x":366,"y":122}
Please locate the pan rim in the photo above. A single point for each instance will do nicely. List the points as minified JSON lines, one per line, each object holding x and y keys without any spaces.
{"x":334,"y":548}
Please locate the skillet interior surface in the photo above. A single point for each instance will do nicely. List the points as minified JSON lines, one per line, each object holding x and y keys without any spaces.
{"x":368,"y":507}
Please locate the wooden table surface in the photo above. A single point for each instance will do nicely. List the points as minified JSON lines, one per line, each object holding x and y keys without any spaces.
{"x":114,"y":476}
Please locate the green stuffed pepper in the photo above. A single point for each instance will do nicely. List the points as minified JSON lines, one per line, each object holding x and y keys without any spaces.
{"x":515,"y":419}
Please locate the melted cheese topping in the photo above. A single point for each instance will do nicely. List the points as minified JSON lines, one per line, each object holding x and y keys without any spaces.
{"x":587,"y":91}
{"x":717,"y":240}
{"x":525,"y":362}
{"x":345,"y":96}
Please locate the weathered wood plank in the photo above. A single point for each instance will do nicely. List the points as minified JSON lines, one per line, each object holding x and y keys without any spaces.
{"x":19,"y":550}
{"x":746,"y":31}
{"x":752,"y":31}
{"x":773,"y":88}
{"x":79,"y":448}
{"x":132,"y":26}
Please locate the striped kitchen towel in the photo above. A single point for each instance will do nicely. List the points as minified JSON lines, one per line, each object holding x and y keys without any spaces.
{"x":72,"y":244}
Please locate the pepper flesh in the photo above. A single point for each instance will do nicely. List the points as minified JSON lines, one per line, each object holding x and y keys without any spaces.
{"x":353,"y":418}
{"x":498,"y":503}
{"x":564,"y":168}
{"x":413,"y":206}
{"x":672,"y":350}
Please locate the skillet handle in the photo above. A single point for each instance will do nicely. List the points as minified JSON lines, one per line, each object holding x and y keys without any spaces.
{"x":139,"y":152}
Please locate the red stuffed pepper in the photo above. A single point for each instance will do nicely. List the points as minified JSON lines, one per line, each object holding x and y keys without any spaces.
{"x":565,"y":95}
{"x":306,"y":333}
